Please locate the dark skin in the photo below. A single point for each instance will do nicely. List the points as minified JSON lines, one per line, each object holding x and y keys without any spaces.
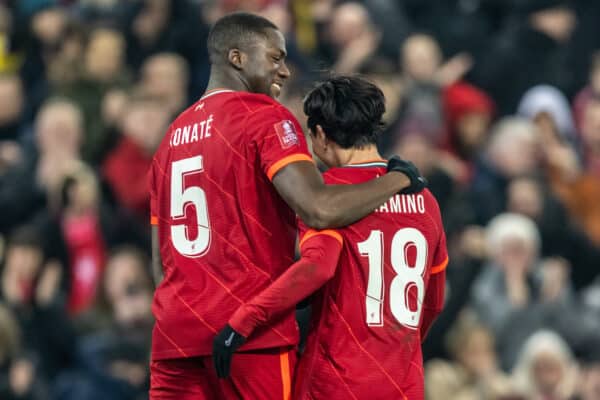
{"x":261,"y":68}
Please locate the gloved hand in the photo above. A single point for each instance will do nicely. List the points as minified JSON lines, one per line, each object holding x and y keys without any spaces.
{"x":417,"y":182}
{"x":225,"y":344}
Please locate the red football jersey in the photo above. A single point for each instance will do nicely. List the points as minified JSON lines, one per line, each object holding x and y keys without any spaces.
{"x":365,"y":341}
{"x":224,"y":231}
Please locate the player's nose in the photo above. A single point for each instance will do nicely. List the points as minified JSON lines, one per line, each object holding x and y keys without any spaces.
{"x":284,"y":71}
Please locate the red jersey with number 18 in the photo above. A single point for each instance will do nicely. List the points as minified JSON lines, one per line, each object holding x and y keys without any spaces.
{"x":224,"y":231}
{"x":366,"y":328}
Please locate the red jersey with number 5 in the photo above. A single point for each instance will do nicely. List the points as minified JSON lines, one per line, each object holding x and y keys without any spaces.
{"x":224,"y":231}
{"x":365,"y":338}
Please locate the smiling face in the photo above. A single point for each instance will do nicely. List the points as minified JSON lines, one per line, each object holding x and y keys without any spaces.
{"x":264,"y":68}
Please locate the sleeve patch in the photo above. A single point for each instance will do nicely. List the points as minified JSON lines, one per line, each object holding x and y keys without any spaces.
{"x":286,"y":133}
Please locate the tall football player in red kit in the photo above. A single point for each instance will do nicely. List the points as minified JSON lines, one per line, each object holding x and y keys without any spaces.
{"x":383,"y":276}
{"x":226,"y":183}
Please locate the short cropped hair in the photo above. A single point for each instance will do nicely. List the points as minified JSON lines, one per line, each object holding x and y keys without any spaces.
{"x":348,"y":108}
{"x":235,"y":30}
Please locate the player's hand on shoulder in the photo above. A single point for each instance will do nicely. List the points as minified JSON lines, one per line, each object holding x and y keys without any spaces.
{"x":417,"y":181}
{"x":225,"y":344}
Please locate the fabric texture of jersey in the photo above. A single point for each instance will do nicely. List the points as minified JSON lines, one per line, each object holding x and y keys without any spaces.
{"x":224,"y":231}
{"x":364,"y":340}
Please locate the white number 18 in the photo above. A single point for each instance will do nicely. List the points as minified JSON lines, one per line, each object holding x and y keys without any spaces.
{"x":407,"y":278}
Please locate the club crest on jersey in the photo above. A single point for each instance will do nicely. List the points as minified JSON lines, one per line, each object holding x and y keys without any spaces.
{"x":286,"y":133}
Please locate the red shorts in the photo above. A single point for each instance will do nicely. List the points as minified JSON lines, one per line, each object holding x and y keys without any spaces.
{"x":263,"y":374}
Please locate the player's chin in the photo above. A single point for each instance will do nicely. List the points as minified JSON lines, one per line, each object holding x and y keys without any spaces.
{"x":275,"y":90}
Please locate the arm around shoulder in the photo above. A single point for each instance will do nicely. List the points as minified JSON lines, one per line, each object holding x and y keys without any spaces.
{"x":324,"y":206}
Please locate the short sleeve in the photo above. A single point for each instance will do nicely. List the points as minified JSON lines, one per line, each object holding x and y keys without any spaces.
{"x":152,"y":190}
{"x":278,"y":137}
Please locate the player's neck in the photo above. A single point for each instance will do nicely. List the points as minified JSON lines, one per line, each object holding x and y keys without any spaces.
{"x":358,"y":156}
{"x":223,"y":80}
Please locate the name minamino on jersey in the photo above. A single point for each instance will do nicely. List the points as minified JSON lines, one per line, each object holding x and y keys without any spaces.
{"x":404,"y":204}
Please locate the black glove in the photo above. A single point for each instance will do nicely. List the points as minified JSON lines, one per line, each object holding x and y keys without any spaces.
{"x":224,"y":345}
{"x":417,"y":182}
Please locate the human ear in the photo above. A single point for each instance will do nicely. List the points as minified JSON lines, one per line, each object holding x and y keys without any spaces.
{"x":237,"y":58}
{"x":321,"y":136}
{"x":320,"y":133}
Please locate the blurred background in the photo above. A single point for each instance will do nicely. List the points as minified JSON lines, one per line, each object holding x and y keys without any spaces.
{"x":496,"y":101}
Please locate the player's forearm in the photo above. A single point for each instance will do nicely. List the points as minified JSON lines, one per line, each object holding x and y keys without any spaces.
{"x":315,"y":268}
{"x":341,"y":205}
{"x":323,"y":206}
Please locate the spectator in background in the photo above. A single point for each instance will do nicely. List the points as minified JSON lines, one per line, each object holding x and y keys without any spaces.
{"x":534,"y":51}
{"x":589,"y":376}
{"x":415,"y":143}
{"x":576,"y":187}
{"x":12,"y":104}
{"x":560,"y":236}
{"x":18,"y":378}
{"x":46,"y":27}
{"x":114,"y":357}
{"x":35,"y":182}
{"x":143,"y":125}
{"x":81,"y":227}
{"x":473,"y":373}
{"x":590,"y":134}
{"x":166,"y":76}
{"x":517,"y":293}
{"x":104,"y":70}
{"x":468,"y":113}
{"x":156,"y":26}
{"x":546,"y":369}
{"x":420,"y":60}
{"x":589,"y":92}
{"x":352,"y":36}
{"x":31,"y":289}
{"x":424,"y":77}
{"x":511,"y":151}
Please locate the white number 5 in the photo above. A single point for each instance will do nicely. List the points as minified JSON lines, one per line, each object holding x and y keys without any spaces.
{"x":406,"y":278}
{"x":180,"y":198}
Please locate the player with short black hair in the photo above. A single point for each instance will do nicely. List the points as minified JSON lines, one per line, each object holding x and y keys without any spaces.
{"x":226,"y":182}
{"x":349,"y":110}
{"x":378,"y":283}
{"x":237,"y":30}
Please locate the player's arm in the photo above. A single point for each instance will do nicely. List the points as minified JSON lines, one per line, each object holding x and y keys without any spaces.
{"x":323,"y":206}
{"x":157,"y":270}
{"x":320,"y":252}
{"x":434,"y":301}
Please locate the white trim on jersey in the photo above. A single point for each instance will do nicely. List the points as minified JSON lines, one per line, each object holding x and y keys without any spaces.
{"x":367,"y":164}
{"x":218,"y":91}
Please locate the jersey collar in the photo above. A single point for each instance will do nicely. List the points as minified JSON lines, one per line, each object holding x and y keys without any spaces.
{"x":212,"y":92}
{"x":369,"y":163}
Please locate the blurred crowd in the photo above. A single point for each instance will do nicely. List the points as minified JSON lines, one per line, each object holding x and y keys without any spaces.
{"x":496,"y":101}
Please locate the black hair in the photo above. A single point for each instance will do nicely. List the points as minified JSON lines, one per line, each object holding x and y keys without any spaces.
{"x":235,"y":31}
{"x":348,"y":108}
